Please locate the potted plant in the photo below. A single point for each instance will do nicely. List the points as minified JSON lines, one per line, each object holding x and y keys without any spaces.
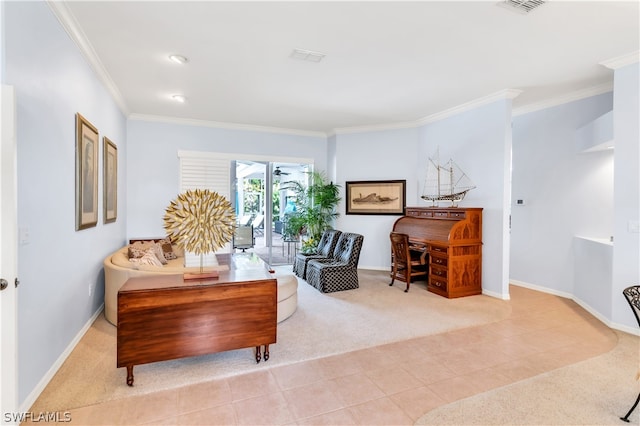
{"x":315,"y":212}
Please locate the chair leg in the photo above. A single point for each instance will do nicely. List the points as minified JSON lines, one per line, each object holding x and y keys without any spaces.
{"x":393,"y":276}
{"x":635,"y":404}
{"x":407,"y":278}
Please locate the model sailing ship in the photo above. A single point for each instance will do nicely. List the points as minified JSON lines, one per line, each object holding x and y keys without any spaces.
{"x":445,"y":182}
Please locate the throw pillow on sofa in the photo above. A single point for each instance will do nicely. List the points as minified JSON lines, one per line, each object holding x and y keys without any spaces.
{"x":149,"y":258}
{"x":139,"y":249}
{"x":167,"y":249}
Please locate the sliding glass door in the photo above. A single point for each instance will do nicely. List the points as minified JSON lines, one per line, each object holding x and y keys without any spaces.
{"x":262,"y":200}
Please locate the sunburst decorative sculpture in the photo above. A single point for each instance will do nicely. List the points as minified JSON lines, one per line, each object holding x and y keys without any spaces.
{"x":200,"y":221}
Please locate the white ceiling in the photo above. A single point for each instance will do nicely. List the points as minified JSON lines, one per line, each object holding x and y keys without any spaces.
{"x":386,"y":62}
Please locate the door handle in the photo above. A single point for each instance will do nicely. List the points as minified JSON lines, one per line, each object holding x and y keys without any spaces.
{"x":3,"y":284}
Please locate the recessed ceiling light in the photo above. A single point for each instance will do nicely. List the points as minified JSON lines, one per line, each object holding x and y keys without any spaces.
{"x":307,"y":55}
{"x":179,"y":98}
{"x":178,"y":59}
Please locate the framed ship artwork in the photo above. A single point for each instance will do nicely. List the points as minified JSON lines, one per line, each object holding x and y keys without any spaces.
{"x":379,"y":197}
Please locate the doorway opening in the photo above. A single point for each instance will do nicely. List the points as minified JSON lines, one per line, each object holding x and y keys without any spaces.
{"x":262,"y":201}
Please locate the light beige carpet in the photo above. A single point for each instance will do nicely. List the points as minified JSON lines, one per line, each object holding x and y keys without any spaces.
{"x":597,"y":391}
{"x":323,"y":324}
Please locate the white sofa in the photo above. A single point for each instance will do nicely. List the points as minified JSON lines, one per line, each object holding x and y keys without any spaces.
{"x":118,"y":269}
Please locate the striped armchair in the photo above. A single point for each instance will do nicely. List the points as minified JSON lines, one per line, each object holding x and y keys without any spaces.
{"x":340,"y":272}
{"x":326,"y":246}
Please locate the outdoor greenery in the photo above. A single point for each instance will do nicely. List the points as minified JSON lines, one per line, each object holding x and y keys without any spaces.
{"x":253,"y":194}
{"x":315,"y":212}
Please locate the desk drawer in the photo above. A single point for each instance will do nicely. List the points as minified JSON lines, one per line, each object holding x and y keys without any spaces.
{"x":438,"y":249}
{"x":438,"y":282}
{"x":440,"y":261}
{"x":440,"y":273}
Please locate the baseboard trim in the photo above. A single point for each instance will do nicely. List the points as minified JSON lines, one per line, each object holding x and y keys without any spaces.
{"x":35,"y":393}
{"x":495,"y":294}
{"x":583,"y":304}
{"x":375,"y":268}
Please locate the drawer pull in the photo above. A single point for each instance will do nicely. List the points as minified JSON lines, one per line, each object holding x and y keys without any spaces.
{"x":439,"y":284}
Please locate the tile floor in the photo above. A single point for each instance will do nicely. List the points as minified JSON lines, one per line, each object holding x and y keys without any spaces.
{"x":390,"y":384}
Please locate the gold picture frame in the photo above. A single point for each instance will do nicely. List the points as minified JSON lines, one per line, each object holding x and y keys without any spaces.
{"x":376,"y":197}
{"x":86,"y":173}
{"x":110,"y":180}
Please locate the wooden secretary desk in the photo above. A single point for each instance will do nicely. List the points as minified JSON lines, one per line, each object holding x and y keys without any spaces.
{"x":452,"y":238}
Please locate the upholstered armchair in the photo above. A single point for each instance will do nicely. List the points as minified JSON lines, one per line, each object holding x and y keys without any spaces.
{"x":340,"y":272}
{"x":326,"y":246}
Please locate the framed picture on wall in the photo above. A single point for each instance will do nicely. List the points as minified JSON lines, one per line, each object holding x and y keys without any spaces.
{"x":86,"y":174}
{"x":376,"y":197}
{"x":110,"y":179}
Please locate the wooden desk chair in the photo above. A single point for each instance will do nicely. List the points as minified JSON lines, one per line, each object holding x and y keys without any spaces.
{"x":406,"y":264}
{"x":632,"y":294}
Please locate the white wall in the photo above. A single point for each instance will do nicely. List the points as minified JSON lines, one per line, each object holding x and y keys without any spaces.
{"x":60,"y":270}
{"x":568,"y":193}
{"x":593,"y":275}
{"x":479,"y":141}
{"x":382,"y":155}
{"x":331,"y":158}
{"x":626,"y":246}
{"x":153,"y":166}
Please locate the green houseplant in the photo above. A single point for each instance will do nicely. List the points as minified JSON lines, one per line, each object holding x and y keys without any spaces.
{"x":316,"y":204}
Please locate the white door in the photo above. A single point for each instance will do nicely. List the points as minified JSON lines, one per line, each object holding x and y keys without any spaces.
{"x":8,"y":258}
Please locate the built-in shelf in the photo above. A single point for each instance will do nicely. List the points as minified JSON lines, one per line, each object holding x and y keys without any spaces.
{"x":606,"y":241}
{"x":596,"y":135}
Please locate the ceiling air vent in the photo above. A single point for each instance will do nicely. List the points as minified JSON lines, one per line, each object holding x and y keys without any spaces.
{"x":521,"y":6}
{"x":307,"y":55}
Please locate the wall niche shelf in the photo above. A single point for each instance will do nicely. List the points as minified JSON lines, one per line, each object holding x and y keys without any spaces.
{"x":606,"y":241}
{"x":596,"y":135}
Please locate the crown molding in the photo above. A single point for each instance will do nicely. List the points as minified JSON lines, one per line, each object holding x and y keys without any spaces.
{"x":221,"y":125}
{"x":622,"y":61}
{"x":374,"y":128}
{"x":503,"y":94}
{"x":73,"y":29}
{"x":564,"y":99}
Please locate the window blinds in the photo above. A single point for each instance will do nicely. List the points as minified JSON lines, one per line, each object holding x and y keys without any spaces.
{"x":205,"y":170}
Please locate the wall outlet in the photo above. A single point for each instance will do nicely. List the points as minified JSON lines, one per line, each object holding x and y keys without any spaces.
{"x":520,"y":202}
{"x":23,"y":236}
{"x":633,"y":226}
